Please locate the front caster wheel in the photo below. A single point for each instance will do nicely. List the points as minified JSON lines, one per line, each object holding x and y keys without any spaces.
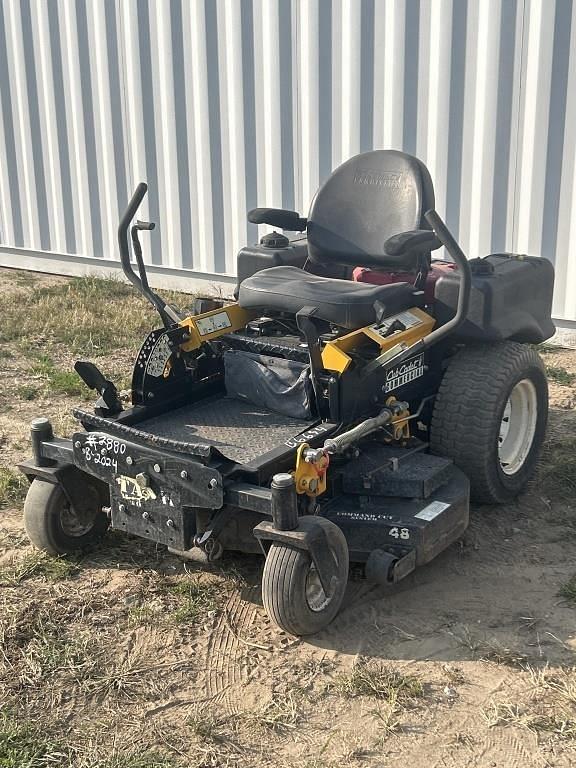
{"x":54,"y":526}
{"x":292,"y":593}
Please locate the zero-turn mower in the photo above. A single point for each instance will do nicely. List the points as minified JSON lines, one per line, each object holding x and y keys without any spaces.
{"x":344,"y":408}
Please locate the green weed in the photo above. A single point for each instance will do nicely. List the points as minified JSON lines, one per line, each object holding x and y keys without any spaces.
{"x":27,"y":392}
{"x":381,"y":682}
{"x":58,"y":381}
{"x":24,"y":745}
{"x":13,"y":487}
{"x":568,"y":590}
{"x":38,"y":565}
{"x":195,"y":599}
{"x":560,"y":375}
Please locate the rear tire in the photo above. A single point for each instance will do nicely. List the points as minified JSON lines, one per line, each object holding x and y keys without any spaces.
{"x":490,"y":417}
{"x":54,"y":526}
{"x":291,"y":591}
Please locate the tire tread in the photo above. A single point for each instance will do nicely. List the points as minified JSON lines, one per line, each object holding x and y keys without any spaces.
{"x":470,"y":391}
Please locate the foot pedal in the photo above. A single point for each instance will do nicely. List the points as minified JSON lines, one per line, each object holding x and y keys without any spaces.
{"x":109,"y":402}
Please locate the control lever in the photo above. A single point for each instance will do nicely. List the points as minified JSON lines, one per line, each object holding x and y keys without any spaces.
{"x":168,"y":314}
{"x":148,"y":226}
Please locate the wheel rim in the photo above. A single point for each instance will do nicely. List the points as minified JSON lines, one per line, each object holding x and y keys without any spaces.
{"x":517,"y":427}
{"x":78,"y":523}
{"x":316,"y":598}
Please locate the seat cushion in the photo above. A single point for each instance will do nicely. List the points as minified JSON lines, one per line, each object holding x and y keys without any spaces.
{"x":341,"y":302}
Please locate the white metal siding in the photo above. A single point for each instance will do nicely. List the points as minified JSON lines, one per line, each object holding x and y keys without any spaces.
{"x":221,"y":105}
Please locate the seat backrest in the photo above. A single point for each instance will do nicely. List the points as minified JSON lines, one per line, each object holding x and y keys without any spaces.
{"x":365,"y":201}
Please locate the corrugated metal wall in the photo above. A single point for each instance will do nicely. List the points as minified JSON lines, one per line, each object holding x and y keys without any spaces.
{"x":225,"y":104}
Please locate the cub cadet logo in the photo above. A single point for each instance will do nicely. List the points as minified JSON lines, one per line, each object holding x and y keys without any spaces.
{"x":131,"y":491}
{"x":403,"y":374}
{"x":388,"y":179}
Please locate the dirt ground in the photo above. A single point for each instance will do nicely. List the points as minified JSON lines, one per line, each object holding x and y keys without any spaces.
{"x":129,"y":658}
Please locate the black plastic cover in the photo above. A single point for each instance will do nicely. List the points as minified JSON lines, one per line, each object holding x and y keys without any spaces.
{"x":511,"y":298}
{"x":253,"y":258}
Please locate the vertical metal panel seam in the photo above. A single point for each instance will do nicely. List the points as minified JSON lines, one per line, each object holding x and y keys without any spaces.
{"x":521,"y":82}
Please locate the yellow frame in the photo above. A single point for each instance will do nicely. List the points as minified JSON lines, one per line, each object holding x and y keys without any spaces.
{"x":335,"y":355}
{"x":238,"y":317}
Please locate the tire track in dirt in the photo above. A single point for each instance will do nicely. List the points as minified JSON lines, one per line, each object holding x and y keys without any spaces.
{"x":227,"y":658}
{"x":435,"y":751}
{"x":506,"y":747}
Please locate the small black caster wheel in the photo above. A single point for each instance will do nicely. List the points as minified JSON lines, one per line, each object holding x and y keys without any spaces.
{"x":54,"y":526}
{"x":292,"y":593}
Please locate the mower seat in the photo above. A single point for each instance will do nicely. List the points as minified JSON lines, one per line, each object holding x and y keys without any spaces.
{"x":340,"y":302}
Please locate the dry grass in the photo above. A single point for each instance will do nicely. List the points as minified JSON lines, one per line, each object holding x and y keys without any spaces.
{"x":13,"y":487}
{"x":87,"y":656}
{"x":394,"y":690}
{"x":568,"y":590}
{"x":88,"y":315}
{"x":25,"y":745}
{"x":491,"y":649}
{"x":281,"y":714}
{"x":37,"y":564}
{"x":380,"y":681}
{"x":60,"y":649}
{"x":45,"y":328}
{"x":546,"y":706}
{"x":508,"y":714}
{"x":557,"y":472}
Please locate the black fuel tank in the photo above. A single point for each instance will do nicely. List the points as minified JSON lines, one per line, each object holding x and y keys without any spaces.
{"x":253,"y":258}
{"x":511,"y":298}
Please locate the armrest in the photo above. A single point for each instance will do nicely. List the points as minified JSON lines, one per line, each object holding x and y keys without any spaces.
{"x":278,"y":217}
{"x":411,"y":243}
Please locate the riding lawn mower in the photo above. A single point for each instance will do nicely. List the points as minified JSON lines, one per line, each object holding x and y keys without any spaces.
{"x":346,"y":407}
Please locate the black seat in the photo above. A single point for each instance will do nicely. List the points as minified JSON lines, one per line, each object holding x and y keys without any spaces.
{"x":341,"y":302}
{"x":373,"y":199}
